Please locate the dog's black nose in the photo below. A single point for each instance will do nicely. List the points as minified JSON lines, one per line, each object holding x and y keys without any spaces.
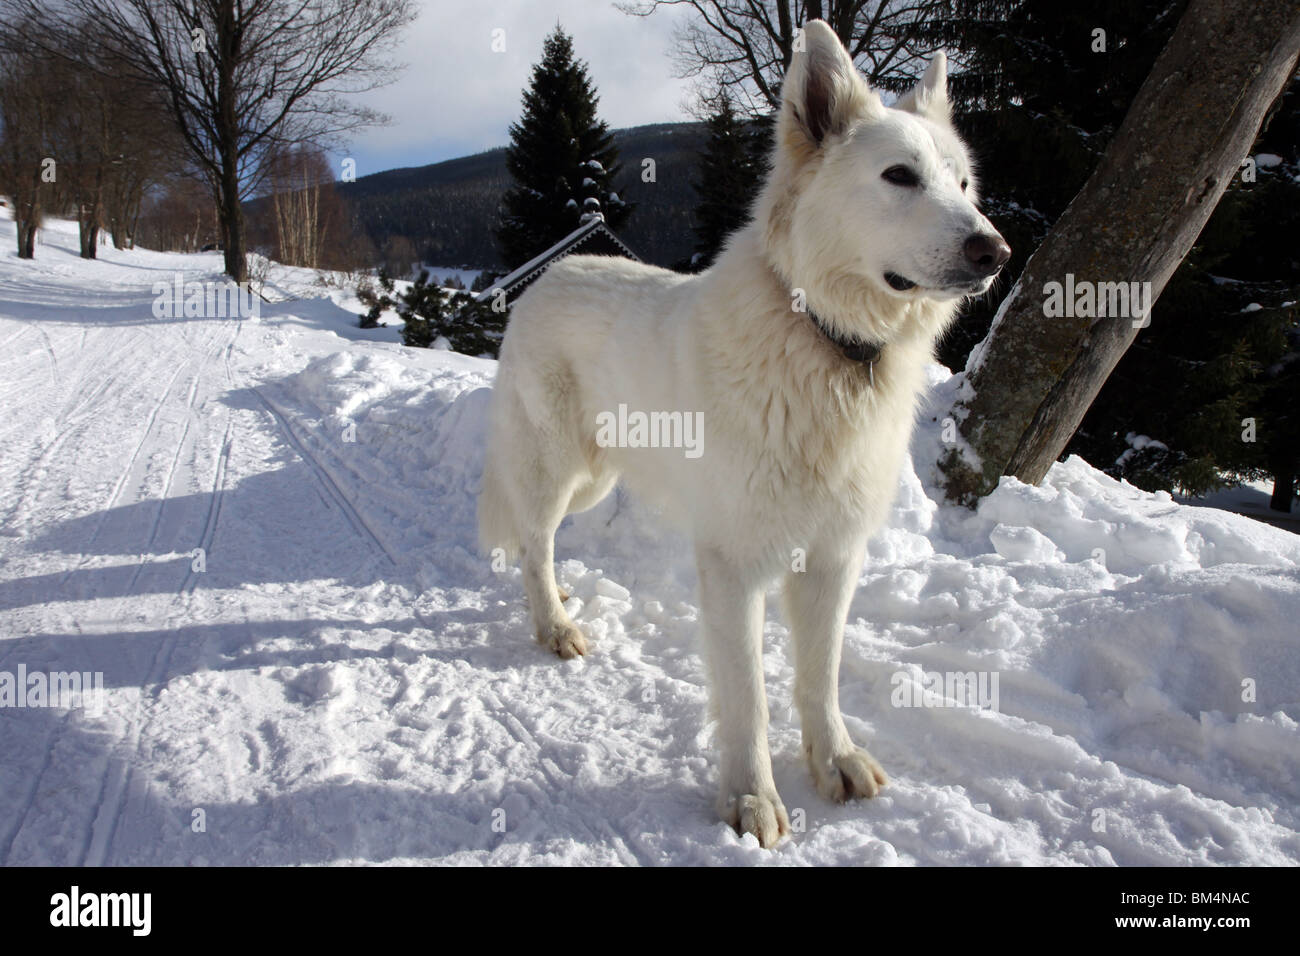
{"x":987,"y":253}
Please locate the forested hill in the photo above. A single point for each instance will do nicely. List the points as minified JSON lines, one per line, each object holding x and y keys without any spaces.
{"x":448,"y":210}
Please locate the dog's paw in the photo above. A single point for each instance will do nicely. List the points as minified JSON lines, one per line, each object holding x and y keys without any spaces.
{"x":760,"y":814}
{"x":854,"y":773}
{"x":565,"y":639}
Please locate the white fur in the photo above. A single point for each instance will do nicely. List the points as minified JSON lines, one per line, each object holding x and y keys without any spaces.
{"x":801,"y":447}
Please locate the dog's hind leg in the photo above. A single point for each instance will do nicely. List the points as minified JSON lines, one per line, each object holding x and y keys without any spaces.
{"x":553,"y":627}
{"x":545,"y":488}
{"x":817,"y":601}
{"x":534,"y":468}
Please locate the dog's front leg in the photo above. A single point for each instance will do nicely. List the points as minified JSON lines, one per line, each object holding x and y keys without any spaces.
{"x":732,"y":615}
{"x":817,"y":601}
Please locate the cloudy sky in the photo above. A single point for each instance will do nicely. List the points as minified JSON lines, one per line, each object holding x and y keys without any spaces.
{"x":457,"y":96}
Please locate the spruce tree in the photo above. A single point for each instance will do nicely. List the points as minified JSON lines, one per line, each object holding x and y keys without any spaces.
{"x":729,"y":177}
{"x":561,"y":156}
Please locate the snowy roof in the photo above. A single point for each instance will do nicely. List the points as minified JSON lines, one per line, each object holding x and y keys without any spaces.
{"x":594,"y":227}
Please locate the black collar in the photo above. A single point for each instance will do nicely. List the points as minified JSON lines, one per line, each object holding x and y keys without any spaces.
{"x":853,"y":349}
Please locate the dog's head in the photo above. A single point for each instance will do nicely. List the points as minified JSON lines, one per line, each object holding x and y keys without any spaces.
{"x":872,"y":198}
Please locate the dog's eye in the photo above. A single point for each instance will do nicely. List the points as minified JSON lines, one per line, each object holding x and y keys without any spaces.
{"x":964,"y":184}
{"x":900,"y":176}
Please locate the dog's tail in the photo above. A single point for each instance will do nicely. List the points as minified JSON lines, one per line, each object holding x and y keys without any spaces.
{"x":496,"y":520}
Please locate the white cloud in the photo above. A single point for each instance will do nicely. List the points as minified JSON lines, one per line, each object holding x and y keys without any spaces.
{"x":457,"y":96}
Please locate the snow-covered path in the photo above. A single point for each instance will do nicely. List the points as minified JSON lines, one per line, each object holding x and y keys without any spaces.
{"x":345,"y":680}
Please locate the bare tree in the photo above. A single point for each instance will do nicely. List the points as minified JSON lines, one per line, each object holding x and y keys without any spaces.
{"x":241,"y":77}
{"x":1183,"y":139}
{"x":138,"y":154}
{"x":743,"y":47}
{"x":140,"y":158}
{"x":89,"y":130}
{"x":179,"y":216}
{"x":26,"y":168}
{"x":81,"y":135}
{"x":300,"y":178}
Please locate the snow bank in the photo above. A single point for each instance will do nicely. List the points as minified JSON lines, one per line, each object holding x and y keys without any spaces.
{"x":401,"y":435}
{"x":1146,"y":650}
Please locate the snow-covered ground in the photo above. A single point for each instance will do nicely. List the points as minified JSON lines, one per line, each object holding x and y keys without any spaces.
{"x":348,"y":681}
{"x":1250,"y":498}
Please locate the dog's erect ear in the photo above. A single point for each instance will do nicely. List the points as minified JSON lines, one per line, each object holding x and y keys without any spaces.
{"x":823,"y":89}
{"x":929,"y":98}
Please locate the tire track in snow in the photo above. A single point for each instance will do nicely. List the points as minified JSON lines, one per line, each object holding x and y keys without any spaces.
{"x":115,"y":777}
{"x":71,"y":413}
{"x":167,"y":487}
{"x":120,"y":772}
{"x":324,"y":479}
{"x":125,"y":474}
{"x":135,"y":454}
{"x":49,"y":350}
{"x":113,"y":770}
{"x":116,"y":770}
{"x":214,"y":507}
{"x":350,"y":513}
{"x":22,"y":330}
{"x":71,"y":422}
{"x":80,"y":406}
{"x":20,"y":818}
{"x":117,"y":774}
{"x":23,"y":499}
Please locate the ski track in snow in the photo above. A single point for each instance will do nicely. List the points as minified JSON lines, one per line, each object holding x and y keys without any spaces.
{"x":347,"y":681}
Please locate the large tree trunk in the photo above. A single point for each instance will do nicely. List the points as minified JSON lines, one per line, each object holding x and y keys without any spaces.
{"x":1283,"y":486}
{"x":227,"y":126}
{"x":89,"y":235}
{"x":122,"y":227}
{"x":1184,"y":138}
{"x":232,"y":228}
{"x":133,"y":218}
{"x":92,"y":210}
{"x":27,"y":237}
{"x":88,"y":230}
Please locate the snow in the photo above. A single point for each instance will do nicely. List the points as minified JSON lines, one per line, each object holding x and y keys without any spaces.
{"x":1251,"y":498}
{"x":348,"y":681}
{"x":1135,"y":444}
{"x":444,"y":274}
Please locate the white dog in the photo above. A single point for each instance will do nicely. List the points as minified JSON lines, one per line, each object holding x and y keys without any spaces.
{"x":801,"y":352}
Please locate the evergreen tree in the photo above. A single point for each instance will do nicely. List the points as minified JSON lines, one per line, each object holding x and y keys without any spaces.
{"x":430,"y":312}
{"x":729,"y":177}
{"x":561,"y":156}
{"x":1280,"y":410}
